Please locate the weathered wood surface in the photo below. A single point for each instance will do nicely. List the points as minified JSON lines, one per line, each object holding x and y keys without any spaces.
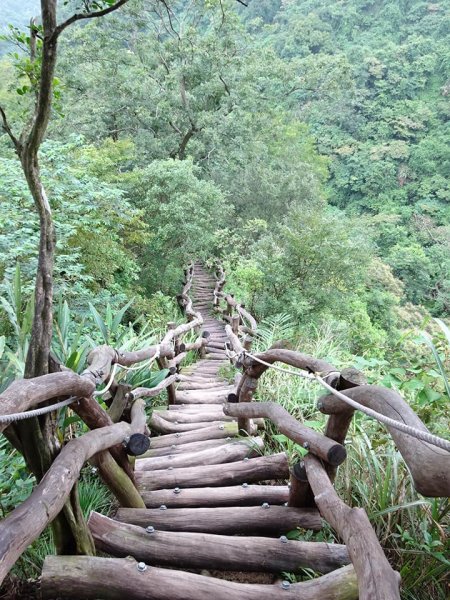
{"x":92,"y":578}
{"x":294,"y":359}
{"x":119,"y":402}
{"x":376,"y":578}
{"x":315,"y":442}
{"x":300,"y":492}
{"x":246,"y":471}
{"x":26,"y":522}
{"x":142,"y":392}
{"x":231,"y":553}
{"x":244,"y":520}
{"x":160,"y":425}
{"x":238,"y":495}
{"x":198,"y":385}
{"x":205,"y":433}
{"x":192,"y":416}
{"x":225,"y":453}
{"x":429,"y":466}
{"x":176,"y":449}
{"x":27,"y":393}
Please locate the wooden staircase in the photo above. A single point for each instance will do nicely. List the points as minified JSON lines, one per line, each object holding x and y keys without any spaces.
{"x":216,"y":505}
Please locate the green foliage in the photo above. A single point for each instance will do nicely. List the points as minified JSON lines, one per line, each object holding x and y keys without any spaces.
{"x":16,"y":483}
{"x":92,"y":219}
{"x":183,"y":213}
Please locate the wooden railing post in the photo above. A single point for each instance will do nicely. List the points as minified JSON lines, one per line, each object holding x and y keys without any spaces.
{"x":300,"y":493}
{"x":235,"y":320}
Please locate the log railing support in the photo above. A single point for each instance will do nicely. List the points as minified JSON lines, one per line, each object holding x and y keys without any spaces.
{"x":26,"y":522}
{"x":300,"y":493}
{"x":376,"y":578}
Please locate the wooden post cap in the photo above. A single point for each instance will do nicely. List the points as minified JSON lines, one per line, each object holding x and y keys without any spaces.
{"x":299,"y":471}
{"x":232,"y":398}
{"x":137,"y":444}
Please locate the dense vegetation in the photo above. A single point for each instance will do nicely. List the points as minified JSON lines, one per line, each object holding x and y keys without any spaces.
{"x":304,"y":143}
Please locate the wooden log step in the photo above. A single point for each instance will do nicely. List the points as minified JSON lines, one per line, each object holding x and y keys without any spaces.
{"x":222,"y":356}
{"x":210,"y":370}
{"x":219,"y":399}
{"x":236,"y":495}
{"x":198,"y":400}
{"x":202,"y":367}
{"x":210,"y":386}
{"x":215,"y":351}
{"x":225,"y":453}
{"x":200,"y":376}
{"x":89,"y":577}
{"x":175,"y":450}
{"x":194,"y":413}
{"x":244,"y":520}
{"x":210,"y":346}
{"x":194,"y":379}
{"x":196,"y":385}
{"x":205,"y":433}
{"x":179,"y":417}
{"x":210,"y":551}
{"x":263,"y":468}
{"x":200,"y":373}
{"x":208,"y":393}
{"x":162,"y":426}
{"x":195,"y":408}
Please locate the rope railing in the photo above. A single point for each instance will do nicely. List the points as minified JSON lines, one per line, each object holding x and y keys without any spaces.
{"x":427,"y":455}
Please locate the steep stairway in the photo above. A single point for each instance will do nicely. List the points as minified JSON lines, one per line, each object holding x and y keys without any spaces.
{"x":214,"y":500}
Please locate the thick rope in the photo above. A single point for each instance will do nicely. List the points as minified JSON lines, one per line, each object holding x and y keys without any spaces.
{"x":37,"y":412}
{"x":425,"y":436}
{"x":109,"y":384}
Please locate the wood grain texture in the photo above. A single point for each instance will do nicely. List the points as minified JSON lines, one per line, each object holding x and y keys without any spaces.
{"x":26,"y":522}
{"x":316,"y":442}
{"x":239,"y":495}
{"x":92,"y":578}
{"x":204,"y":550}
{"x":255,"y":469}
{"x":429,"y":466}
{"x":376,"y":578}
{"x":254,"y":520}
{"x":226,"y":453}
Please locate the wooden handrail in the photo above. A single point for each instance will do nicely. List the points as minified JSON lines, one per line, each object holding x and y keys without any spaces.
{"x":26,"y":522}
{"x":103,"y":446}
{"x":315,"y":442}
{"x":429,"y":466}
{"x":376,"y":578}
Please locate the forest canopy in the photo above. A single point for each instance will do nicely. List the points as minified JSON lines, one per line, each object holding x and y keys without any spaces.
{"x":240,"y":116}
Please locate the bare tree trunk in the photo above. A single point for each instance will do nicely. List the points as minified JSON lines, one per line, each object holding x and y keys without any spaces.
{"x":41,"y":334}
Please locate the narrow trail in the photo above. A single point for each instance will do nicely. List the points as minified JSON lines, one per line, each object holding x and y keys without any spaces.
{"x":207,"y":511}
{"x":207,"y":508}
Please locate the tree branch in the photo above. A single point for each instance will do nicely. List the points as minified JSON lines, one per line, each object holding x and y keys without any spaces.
{"x":8,"y":130}
{"x":79,"y":16}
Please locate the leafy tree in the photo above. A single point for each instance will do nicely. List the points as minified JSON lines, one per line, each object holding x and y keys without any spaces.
{"x":183,"y":213}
